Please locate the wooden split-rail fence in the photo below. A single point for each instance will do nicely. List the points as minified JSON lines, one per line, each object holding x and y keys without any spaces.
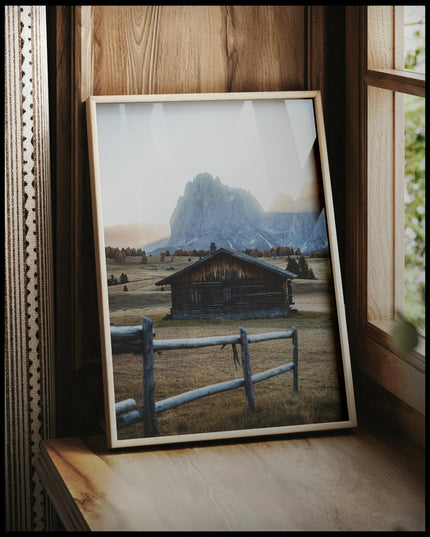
{"x":139,"y":339}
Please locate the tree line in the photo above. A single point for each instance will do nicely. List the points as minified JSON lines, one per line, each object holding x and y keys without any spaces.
{"x":190,"y":253}
{"x":283,"y":251}
{"x":296,"y":264}
{"x":119,"y":254}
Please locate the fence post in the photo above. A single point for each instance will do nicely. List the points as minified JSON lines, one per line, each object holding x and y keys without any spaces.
{"x":295,"y":360}
{"x":150,"y":425}
{"x":246,"y":365}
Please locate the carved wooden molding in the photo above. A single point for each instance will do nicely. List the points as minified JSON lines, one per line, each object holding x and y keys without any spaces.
{"x":29,"y":326}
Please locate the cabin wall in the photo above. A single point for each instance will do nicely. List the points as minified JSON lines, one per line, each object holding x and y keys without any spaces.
{"x":231,"y":299}
{"x":246,"y":301}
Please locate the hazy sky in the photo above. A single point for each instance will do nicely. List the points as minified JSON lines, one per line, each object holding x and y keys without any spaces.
{"x":149,"y":151}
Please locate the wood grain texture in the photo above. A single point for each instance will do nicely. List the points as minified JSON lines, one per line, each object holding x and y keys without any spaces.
{"x":380,"y":44}
{"x":396,"y":80}
{"x":377,"y":406}
{"x":317,"y":49}
{"x":59,"y":28}
{"x":195,"y":49}
{"x":380,"y":204}
{"x":356,"y":175}
{"x":380,"y":362}
{"x":327,"y":483}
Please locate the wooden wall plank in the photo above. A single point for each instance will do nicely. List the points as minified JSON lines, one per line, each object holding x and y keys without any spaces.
{"x":356,"y":173}
{"x":196,"y":49}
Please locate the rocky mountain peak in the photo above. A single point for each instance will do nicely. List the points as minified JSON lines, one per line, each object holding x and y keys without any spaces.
{"x":210,"y":211}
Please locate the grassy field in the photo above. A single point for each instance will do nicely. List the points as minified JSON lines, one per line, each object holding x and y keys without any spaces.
{"x":319,"y":398}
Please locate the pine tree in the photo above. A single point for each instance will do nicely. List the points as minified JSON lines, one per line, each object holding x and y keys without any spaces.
{"x":303,"y":268}
{"x":112,"y":280}
{"x":292,"y":265}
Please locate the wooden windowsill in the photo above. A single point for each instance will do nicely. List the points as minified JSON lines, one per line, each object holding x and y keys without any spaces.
{"x":415,"y":358}
{"x":402,"y":375}
{"x":348,"y":481}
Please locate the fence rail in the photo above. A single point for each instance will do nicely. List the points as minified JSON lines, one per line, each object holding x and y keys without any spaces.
{"x":139,"y":339}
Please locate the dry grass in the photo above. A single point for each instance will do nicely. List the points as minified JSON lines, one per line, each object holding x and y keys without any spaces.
{"x":319,"y":398}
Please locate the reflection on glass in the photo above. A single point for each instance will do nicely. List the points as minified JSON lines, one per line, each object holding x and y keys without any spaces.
{"x":414,"y":38}
{"x":415,"y":210}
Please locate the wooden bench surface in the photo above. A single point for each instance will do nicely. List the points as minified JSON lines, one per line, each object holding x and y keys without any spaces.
{"x":344,"y":481}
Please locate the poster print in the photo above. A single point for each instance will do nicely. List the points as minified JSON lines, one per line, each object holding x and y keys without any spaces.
{"x":221,"y":308}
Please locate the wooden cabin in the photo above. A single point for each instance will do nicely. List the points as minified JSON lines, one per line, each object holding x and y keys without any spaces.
{"x":230,"y":284}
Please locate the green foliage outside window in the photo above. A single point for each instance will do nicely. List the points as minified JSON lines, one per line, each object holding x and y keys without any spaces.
{"x":415,"y":42}
{"x":415,"y":210}
{"x":415,"y":173}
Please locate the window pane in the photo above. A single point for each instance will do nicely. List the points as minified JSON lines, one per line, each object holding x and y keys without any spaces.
{"x":415,"y":210}
{"x":414,"y":38}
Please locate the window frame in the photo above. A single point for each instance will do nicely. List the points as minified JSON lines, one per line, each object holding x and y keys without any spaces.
{"x":373,"y":64}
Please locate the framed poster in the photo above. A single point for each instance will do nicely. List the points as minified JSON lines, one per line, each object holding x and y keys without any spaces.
{"x":220,"y":294}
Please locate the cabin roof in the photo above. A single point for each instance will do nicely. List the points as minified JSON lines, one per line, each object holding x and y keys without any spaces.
{"x":237,"y":255}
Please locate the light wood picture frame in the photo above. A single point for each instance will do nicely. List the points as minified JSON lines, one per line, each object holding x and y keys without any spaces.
{"x":220,"y":295}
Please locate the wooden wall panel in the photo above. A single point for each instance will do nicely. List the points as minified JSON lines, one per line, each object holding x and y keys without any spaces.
{"x":108,"y":50}
{"x":195,"y":49}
